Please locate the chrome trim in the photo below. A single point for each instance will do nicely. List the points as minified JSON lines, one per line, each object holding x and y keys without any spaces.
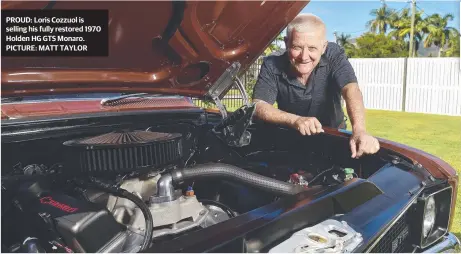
{"x":447,"y":245}
{"x":437,"y":192}
{"x":449,"y":215}
{"x":404,"y":210}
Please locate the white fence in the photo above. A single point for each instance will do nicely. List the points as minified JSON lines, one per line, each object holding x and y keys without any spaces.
{"x":422,"y":85}
{"x":381,"y":82}
{"x":434,"y":86}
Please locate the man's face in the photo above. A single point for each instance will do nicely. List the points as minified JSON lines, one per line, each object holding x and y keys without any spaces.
{"x":305,"y":50}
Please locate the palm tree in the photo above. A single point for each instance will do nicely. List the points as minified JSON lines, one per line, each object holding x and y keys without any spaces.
{"x":439,"y":33}
{"x":398,"y":22}
{"x":383,"y":18}
{"x":453,"y":46}
{"x":342,"y":40}
{"x":402,"y":28}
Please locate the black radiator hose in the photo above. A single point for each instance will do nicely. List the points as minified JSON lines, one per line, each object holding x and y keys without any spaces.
{"x":226,"y":171}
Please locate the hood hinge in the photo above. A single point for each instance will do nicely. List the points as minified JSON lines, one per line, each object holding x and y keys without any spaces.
{"x":224,"y":83}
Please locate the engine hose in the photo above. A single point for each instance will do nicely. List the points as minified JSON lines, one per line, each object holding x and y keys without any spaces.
{"x":220,"y":170}
{"x":119,"y":192}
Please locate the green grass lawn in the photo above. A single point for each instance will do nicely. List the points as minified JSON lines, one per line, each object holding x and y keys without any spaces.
{"x":435,"y":134}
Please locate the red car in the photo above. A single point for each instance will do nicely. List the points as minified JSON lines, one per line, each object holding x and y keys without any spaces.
{"x":109,"y":154}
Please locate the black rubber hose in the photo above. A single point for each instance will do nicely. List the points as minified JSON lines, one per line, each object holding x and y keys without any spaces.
{"x":119,"y":192}
{"x":226,"y":171}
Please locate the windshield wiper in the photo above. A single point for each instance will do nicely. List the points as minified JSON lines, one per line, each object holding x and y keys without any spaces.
{"x":108,"y":101}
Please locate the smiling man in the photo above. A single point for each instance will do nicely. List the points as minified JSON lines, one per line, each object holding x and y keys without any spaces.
{"x":307,"y":82}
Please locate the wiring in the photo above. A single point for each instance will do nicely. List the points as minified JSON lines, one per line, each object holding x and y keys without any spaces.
{"x":422,"y":11}
{"x":321,"y":173}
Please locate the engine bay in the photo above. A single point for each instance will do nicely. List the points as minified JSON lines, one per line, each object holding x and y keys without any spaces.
{"x":129,"y":188}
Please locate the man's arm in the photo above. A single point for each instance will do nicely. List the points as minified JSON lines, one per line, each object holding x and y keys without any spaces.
{"x":305,"y":125}
{"x":355,"y":108}
{"x":361,"y":142}
{"x":268,"y":113}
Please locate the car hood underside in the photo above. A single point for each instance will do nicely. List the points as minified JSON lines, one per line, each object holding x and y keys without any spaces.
{"x":164,"y":47}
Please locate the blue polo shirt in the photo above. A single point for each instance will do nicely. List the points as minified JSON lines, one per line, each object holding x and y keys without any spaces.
{"x":320,"y":98}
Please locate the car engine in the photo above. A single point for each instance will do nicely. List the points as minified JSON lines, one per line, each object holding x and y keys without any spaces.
{"x":124,"y":190}
{"x":119,"y":192}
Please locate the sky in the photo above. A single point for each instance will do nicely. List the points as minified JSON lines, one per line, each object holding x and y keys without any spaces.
{"x":350,"y":17}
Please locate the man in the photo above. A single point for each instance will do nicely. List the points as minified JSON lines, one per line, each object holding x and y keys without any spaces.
{"x":307,"y":82}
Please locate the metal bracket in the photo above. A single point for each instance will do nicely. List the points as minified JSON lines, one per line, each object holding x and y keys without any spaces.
{"x":223,"y":85}
{"x":233,"y":129}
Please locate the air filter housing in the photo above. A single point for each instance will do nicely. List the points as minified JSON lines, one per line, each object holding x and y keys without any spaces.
{"x":125,"y":151}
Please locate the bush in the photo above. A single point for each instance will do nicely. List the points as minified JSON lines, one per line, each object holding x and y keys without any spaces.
{"x":249,"y":86}
{"x":371,"y":45}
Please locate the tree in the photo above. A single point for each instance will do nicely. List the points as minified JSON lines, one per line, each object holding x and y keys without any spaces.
{"x":453,"y":47}
{"x":343,"y":41}
{"x":400,"y":21}
{"x":438,"y":31}
{"x":372,"y":45}
{"x":274,"y":46}
{"x":383,"y":18}
{"x":402,"y":28}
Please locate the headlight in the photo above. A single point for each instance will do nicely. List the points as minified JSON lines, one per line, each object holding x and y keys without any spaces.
{"x":429,"y":216}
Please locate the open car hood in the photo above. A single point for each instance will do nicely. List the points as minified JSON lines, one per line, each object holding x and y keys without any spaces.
{"x":163,"y":47}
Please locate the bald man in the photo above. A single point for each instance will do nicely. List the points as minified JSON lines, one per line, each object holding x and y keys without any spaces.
{"x":307,"y":82}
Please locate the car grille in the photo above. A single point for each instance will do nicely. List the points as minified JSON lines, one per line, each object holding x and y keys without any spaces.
{"x":396,"y":239}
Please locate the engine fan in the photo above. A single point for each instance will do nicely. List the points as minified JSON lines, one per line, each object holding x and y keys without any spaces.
{"x":125,"y":151}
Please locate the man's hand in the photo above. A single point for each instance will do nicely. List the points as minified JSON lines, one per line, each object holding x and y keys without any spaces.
{"x":363,"y":143}
{"x":307,"y":125}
